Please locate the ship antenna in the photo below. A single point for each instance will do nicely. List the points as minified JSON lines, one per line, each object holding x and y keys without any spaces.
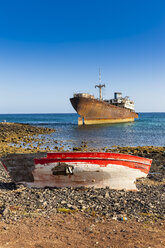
{"x":99,"y":76}
{"x":100,"y":86}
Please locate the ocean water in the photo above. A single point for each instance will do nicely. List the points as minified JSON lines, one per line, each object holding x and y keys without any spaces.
{"x":147,"y":130}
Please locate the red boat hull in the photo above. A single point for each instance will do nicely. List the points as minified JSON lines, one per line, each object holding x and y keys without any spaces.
{"x":118,"y":171}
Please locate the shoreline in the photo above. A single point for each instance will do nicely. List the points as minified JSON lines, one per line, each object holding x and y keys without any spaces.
{"x":24,"y":138}
{"x":19,"y":204}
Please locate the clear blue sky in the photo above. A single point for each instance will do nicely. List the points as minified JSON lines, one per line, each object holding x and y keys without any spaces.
{"x":52,"y":48}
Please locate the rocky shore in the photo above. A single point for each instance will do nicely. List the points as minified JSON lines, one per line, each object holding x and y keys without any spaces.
{"x":21,"y":138}
{"x":17,"y":201}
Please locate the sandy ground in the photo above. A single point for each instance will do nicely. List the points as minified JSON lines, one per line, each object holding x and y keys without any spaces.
{"x":77,"y":230}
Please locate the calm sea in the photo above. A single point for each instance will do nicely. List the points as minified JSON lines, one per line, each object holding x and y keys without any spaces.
{"x":148,"y":130}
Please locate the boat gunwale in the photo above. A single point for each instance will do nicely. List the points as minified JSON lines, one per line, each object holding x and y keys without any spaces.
{"x":99,"y":156}
{"x":86,"y":158}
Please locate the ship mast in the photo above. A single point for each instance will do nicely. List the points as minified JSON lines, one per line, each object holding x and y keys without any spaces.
{"x":100,"y":86}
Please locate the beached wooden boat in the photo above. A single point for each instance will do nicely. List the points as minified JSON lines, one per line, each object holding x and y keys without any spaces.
{"x":77,"y":169}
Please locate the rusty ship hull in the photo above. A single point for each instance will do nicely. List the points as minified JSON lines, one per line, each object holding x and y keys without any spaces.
{"x":95,"y":111}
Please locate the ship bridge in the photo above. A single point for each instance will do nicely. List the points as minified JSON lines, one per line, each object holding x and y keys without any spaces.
{"x":123,"y":102}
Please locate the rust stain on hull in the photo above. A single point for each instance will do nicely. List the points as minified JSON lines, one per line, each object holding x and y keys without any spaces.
{"x":94,"y":111}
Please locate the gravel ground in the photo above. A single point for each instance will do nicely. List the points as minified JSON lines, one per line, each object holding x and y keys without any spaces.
{"x":17,"y":201}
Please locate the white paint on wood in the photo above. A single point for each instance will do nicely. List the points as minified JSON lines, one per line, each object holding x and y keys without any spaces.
{"x":87,"y":175}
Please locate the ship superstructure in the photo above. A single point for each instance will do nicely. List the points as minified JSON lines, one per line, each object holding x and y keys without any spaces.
{"x":122,"y":102}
